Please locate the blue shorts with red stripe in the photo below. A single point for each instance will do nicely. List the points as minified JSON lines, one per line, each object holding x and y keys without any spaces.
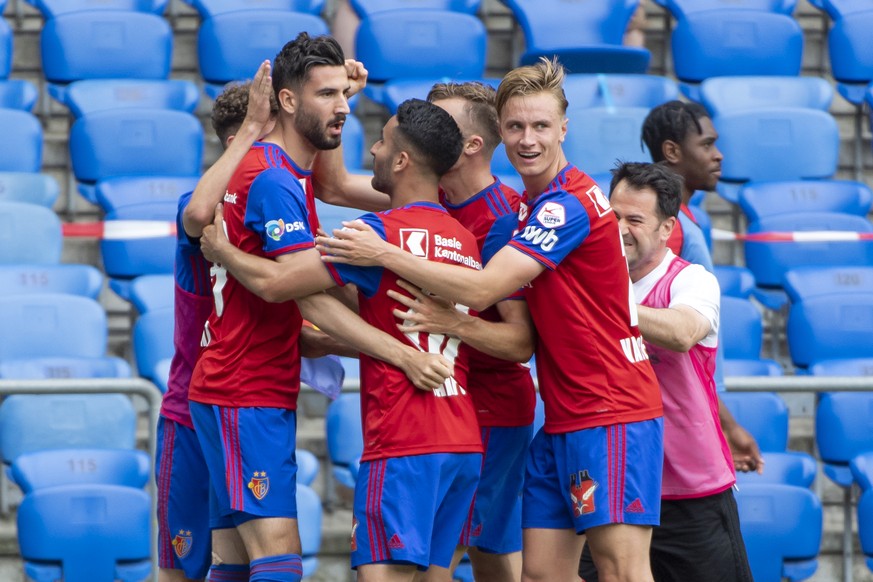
{"x":596,"y":476}
{"x":410,"y":510}
{"x":251,"y":461}
{"x":495,"y":522}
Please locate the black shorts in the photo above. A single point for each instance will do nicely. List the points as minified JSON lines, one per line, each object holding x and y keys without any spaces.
{"x":698,"y":539}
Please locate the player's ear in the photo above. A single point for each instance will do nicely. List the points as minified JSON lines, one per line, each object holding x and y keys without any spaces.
{"x":667,"y":227}
{"x":401,"y":161}
{"x":672,"y":151}
{"x":474,"y":144}
{"x":287,"y":100}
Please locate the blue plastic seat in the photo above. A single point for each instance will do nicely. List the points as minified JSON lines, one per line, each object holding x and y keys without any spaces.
{"x":230,"y":45}
{"x":503,"y":169}
{"x":771,"y":144}
{"x":829,"y":327}
{"x":851,"y":63}
{"x":134,"y":142}
{"x":734,"y":281}
{"x":619,"y":90}
{"x":782,"y":528}
{"x":41,"y":469}
{"x":153,"y":340}
{"x":734,"y":42}
{"x":113,"y":193}
{"x":421,"y":45}
{"x":54,"y":8}
{"x":209,"y":8}
{"x":29,"y":234}
{"x":309,"y":516}
{"x":682,"y":8}
{"x":152,"y":292}
{"x":353,"y":144}
{"x":760,"y":199}
{"x":365,"y":8}
{"x":770,"y":260}
{"x":843,"y":367}
{"x":787,"y":467}
{"x":5,"y":50}
{"x":28,"y":187}
{"x":18,"y":94}
{"x":763,"y":414}
{"x":397,"y":91}
{"x":803,"y":283}
{"x":307,"y":467}
{"x":345,"y":440}
{"x":331,"y":216}
{"x":752,"y":367}
{"x":84,"y":280}
{"x":862,"y":470}
{"x":725,"y":94}
{"x":89,"y":96}
{"x":586,"y":37}
{"x":602,"y":135}
{"x":742,"y":330}
{"x":83,"y":533}
{"x":865,"y":526}
{"x":21,"y":147}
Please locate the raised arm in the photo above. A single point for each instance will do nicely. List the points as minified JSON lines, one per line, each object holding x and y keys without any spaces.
{"x":505,"y":273}
{"x":213,"y":184}
{"x":511,"y":339}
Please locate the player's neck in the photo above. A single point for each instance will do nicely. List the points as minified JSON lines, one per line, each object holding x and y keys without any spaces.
{"x":461,"y":184}
{"x":650,"y":265}
{"x":414,"y":190}
{"x":687,"y":193}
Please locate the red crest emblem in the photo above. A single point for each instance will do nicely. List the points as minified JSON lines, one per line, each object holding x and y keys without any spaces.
{"x":582,"y":488}
{"x":182,"y":543}
{"x":260,"y":484}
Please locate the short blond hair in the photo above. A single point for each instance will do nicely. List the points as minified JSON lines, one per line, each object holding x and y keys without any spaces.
{"x":546,"y":76}
{"x":479,"y":108}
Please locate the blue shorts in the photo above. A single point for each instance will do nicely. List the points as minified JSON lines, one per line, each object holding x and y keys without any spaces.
{"x":410,"y":510}
{"x":250,"y":455}
{"x":495,"y":523}
{"x":596,"y":476}
{"x":184,"y":539}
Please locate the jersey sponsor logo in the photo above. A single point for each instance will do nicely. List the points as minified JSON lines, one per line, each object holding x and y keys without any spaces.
{"x":582,"y":488}
{"x":260,"y":484}
{"x":601,"y":203}
{"x":552,"y":215}
{"x":230,"y":198}
{"x":415,"y":241}
{"x":546,"y":239}
{"x":182,"y":543}
{"x":450,"y":249}
{"x":276,"y":228}
{"x":634,"y":349}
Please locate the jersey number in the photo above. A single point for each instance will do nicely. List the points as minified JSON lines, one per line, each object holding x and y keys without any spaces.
{"x":446,"y":346}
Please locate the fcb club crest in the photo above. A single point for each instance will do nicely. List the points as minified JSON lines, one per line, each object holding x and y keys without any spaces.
{"x":182,"y":543}
{"x":260,"y":484}
{"x":582,"y":488}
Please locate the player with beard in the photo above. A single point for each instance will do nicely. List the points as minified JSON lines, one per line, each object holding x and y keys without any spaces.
{"x":244,"y":386}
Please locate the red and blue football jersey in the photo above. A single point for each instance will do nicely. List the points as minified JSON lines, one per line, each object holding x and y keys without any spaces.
{"x":592,"y":366}
{"x":250,"y":355}
{"x":399,"y":419}
{"x":503,"y":391}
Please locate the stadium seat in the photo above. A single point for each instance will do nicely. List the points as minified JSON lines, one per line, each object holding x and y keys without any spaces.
{"x":761,"y":199}
{"x":830,"y":327}
{"x":331,"y":216}
{"x":682,"y":8}
{"x":843,"y":367}
{"x":775,"y":144}
{"x":734,"y":281}
{"x":153,"y":340}
{"x":365,"y":8}
{"x":503,"y":169}
{"x":209,"y":8}
{"x":21,"y":147}
{"x":742,"y":333}
{"x":865,"y":526}
{"x":787,"y":467}
{"x":134,"y":142}
{"x":309,"y":515}
{"x":230,"y":45}
{"x":598,"y":136}
{"x":84,"y":533}
{"x":114,"y":193}
{"x":89,"y":96}
{"x":862,"y":470}
{"x":5,"y":49}
{"x":53,"y":8}
{"x":18,"y":94}
{"x":770,"y":260}
{"x":763,"y":414}
{"x":28,"y":187}
{"x":617,"y":90}
{"x":725,"y":94}
{"x":51,"y":468}
{"x":803,"y":283}
{"x":419,"y":45}
{"x":752,"y":368}
{"x":84,"y":280}
{"x":397,"y":91}
{"x":782,"y":528}
{"x":734,"y":42}
{"x":29,"y":234}
{"x":307,"y":467}
{"x":345,"y":440}
{"x":152,"y":292}
{"x":353,"y":144}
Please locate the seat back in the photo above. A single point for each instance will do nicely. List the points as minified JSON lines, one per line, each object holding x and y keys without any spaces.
{"x":40,"y":189}
{"x":365,"y":8}
{"x":779,"y":523}
{"x":805,"y":282}
{"x":87,"y":528}
{"x":309,"y":516}
{"x":5,"y":50}
{"x":126,"y":190}
{"x":865,"y":526}
{"x":130,"y":258}
{"x":829,"y":327}
{"x":18,"y":94}
{"x":602,"y":135}
{"x":760,"y":199}
{"x":210,"y":8}
{"x":848,"y":40}
{"x":52,"y":367}
{"x":62,"y":421}
{"x":734,"y":281}
{"x":345,"y":440}
{"x":21,"y":147}
{"x":136,"y":142}
{"x":682,"y":8}
{"x":736,"y":42}
{"x":54,"y":8}
{"x":725,"y":94}
{"x":769,"y":260}
{"x":229,"y":45}
{"x":41,"y":469}
{"x":843,"y":367}
{"x":29,"y":234}
{"x":152,"y":292}
{"x":353,"y":143}
{"x":741,"y":329}
{"x":307,"y":467}
{"x":844,"y":425}
{"x":763,"y":414}
{"x":862,"y":470}
{"x":153,"y":340}
{"x":788,"y":468}
{"x":106,"y":44}
{"x":839,"y":8}
{"x":554,"y":24}
{"x":619,"y":90}
{"x":83,"y":280}
{"x":89,"y":96}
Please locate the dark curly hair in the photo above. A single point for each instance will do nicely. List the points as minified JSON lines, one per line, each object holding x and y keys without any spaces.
{"x":671,"y":121}
{"x":430,"y":133}
{"x":229,"y":110}
{"x":666,"y":183}
{"x":293,"y":63}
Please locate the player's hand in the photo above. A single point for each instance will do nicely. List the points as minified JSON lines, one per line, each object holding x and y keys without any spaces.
{"x":744,"y":449}
{"x":427,"y":313}
{"x":357,"y":76}
{"x":213,"y":241}
{"x":356,"y":244}
{"x":259,"y":113}
{"x":426,"y":371}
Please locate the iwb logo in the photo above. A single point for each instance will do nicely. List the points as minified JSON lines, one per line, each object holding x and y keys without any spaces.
{"x":415,"y":241}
